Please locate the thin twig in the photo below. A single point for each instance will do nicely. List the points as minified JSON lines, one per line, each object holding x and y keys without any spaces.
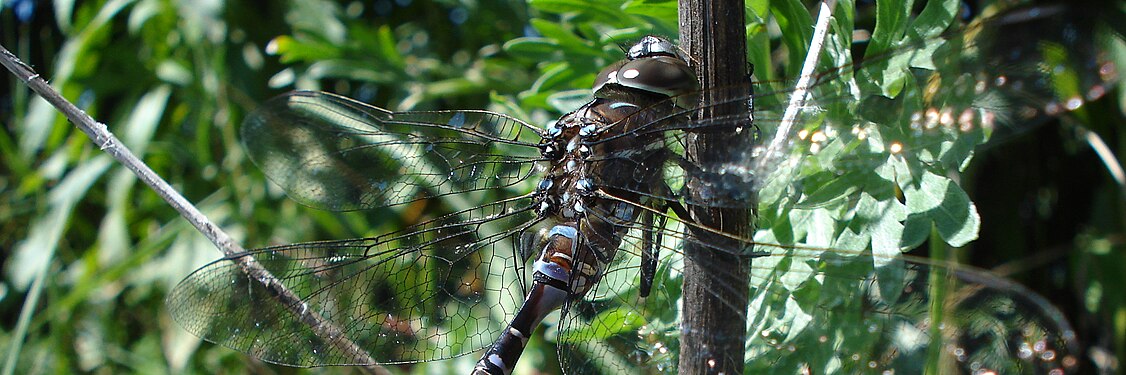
{"x":1107,"y":156}
{"x":109,"y":143}
{"x":1109,"y":160}
{"x":801,"y":90}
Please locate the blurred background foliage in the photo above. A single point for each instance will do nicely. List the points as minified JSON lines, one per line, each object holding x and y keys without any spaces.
{"x":88,"y":253}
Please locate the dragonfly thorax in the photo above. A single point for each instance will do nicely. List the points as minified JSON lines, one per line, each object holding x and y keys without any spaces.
{"x":596,"y":145}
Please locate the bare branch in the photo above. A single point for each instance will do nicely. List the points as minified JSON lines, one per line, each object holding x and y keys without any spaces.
{"x":109,"y":143}
{"x":801,"y":89}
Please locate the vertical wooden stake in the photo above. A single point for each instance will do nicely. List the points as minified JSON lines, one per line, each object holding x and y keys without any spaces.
{"x":716,"y":285}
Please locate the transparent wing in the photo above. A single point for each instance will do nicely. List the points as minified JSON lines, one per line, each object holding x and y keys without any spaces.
{"x":862,"y":176}
{"x":334,"y":153}
{"x":831,"y":294}
{"x":922,"y":104}
{"x":434,"y":290}
{"x":822,"y":310}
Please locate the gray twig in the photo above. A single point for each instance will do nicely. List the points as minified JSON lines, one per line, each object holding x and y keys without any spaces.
{"x":109,"y":143}
{"x":801,"y":90}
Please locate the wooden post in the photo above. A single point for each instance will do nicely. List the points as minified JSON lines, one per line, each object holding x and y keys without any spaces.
{"x":712,"y":332}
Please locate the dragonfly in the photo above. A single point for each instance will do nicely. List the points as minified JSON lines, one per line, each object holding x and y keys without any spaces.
{"x":588,"y":216}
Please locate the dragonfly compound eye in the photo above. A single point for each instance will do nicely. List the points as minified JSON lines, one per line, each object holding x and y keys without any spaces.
{"x":662,"y":75}
{"x":608,"y":75}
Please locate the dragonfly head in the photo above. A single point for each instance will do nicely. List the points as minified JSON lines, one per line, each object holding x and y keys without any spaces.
{"x":653,"y":45}
{"x":653,"y":65}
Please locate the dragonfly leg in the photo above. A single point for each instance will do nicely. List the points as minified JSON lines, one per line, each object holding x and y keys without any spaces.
{"x":726,"y":185}
{"x":650,"y":248}
{"x":687,"y":219}
{"x":681,"y":212}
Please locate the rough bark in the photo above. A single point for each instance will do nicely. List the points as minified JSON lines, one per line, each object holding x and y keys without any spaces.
{"x":716,"y":284}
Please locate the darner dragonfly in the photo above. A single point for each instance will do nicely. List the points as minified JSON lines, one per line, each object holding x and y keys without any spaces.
{"x":586,"y":216}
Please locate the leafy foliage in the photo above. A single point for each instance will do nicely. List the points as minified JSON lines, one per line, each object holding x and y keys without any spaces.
{"x":90,"y":254}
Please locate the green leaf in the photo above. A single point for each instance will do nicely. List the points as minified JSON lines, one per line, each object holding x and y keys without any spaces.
{"x":606,"y":324}
{"x":569,"y":43}
{"x":797,"y":30}
{"x":531,"y":47}
{"x":934,"y":19}
{"x":838,"y":187}
{"x":601,"y":11}
{"x":293,"y":50}
{"x":943,"y":202}
{"x":882,"y":221}
{"x":567,"y":100}
{"x":663,"y":13}
{"x":891,"y":19}
{"x":893,"y":32}
{"x":34,"y":254}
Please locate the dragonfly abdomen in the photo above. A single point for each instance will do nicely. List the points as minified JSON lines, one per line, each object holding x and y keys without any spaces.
{"x":601,"y":165}
{"x":552,"y":283}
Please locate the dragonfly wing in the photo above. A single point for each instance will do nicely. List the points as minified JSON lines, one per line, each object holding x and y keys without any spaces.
{"x":611,"y":329}
{"x":435,"y":290}
{"x":846,"y":312}
{"x":335,"y":153}
{"x":917,"y":105}
{"x":822,"y":310}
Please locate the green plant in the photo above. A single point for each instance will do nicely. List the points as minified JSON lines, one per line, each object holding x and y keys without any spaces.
{"x":90,"y":254}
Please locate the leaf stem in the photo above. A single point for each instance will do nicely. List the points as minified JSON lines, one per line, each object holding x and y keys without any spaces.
{"x":937,"y":285}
